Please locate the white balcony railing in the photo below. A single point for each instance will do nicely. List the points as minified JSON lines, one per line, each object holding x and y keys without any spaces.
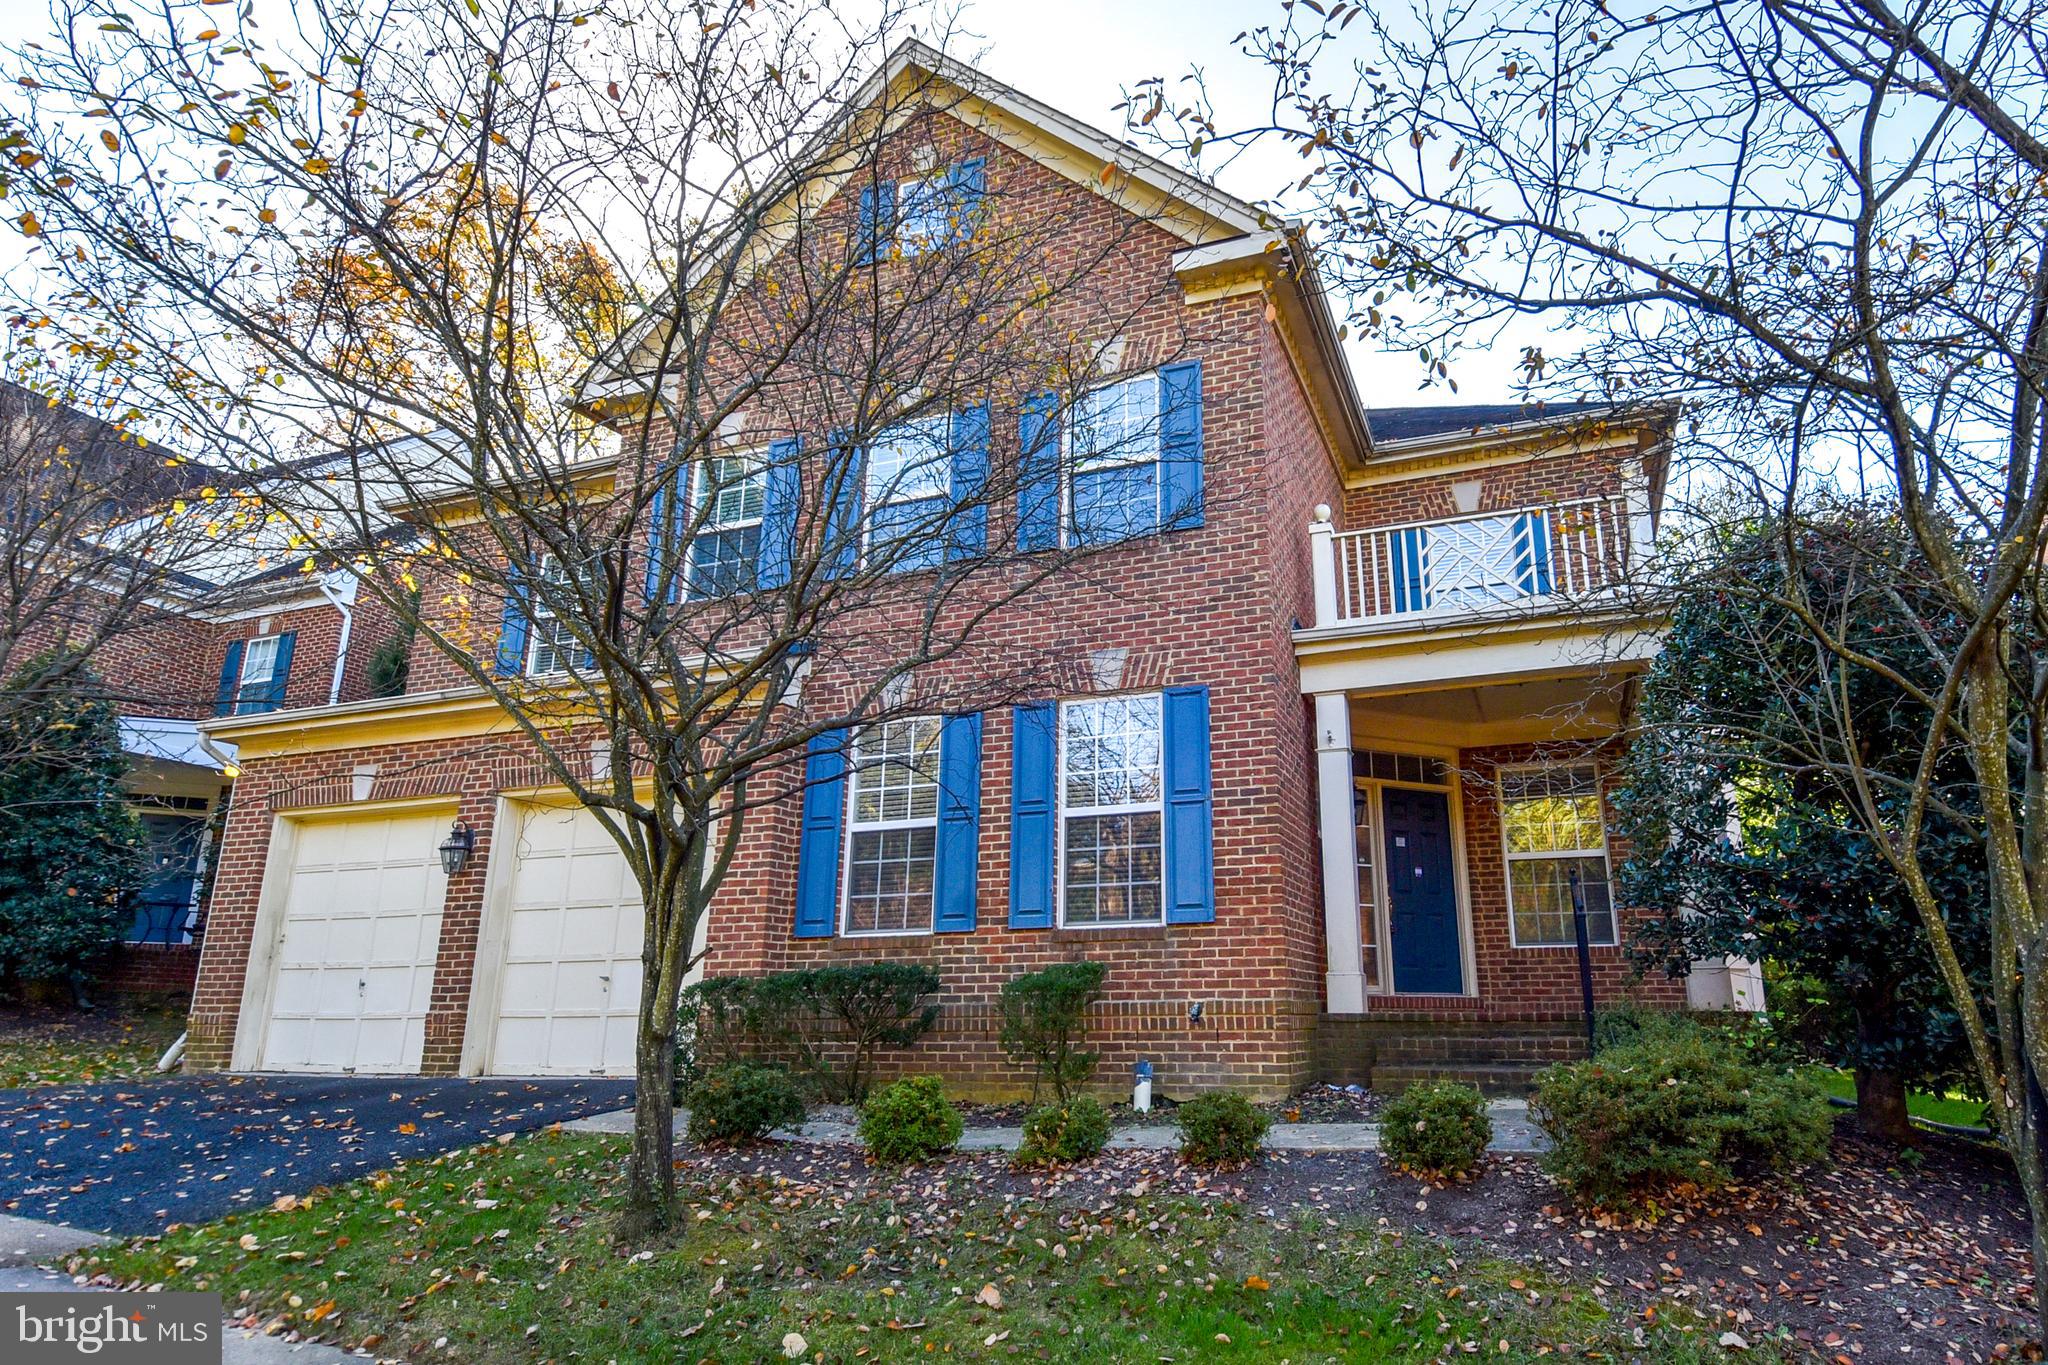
{"x":1489,"y":561}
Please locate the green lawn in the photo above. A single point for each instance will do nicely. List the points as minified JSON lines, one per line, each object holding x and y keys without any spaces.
{"x":60,"y":1049}
{"x":506,"y":1252}
{"x":1951,"y":1108}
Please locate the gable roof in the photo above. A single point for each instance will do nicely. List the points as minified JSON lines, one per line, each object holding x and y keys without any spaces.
{"x":1471,"y":419}
{"x":1184,"y":205}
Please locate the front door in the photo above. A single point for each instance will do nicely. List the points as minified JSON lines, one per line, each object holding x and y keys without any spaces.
{"x":1422,"y":896}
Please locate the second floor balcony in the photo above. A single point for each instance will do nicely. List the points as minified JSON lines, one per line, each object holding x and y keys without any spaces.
{"x":1520,"y":561}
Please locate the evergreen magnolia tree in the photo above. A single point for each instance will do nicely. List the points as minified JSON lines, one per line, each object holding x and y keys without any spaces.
{"x":1750,"y":839}
{"x":69,"y":844}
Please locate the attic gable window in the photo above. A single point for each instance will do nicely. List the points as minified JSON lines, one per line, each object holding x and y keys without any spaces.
{"x":922,"y":213}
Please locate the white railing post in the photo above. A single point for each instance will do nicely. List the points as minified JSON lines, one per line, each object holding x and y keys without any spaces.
{"x":1322,"y":564}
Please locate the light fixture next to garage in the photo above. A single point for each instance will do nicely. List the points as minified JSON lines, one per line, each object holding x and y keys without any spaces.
{"x":456,"y":848}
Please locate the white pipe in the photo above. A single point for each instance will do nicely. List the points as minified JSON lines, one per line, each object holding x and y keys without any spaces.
{"x":348,"y":621}
{"x":170,"y":1057}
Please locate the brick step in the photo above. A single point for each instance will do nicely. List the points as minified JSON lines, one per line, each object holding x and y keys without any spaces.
{"x":1508,"y":1079}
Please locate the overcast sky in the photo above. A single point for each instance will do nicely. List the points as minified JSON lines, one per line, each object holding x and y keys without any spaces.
{"x":1077,"y":55}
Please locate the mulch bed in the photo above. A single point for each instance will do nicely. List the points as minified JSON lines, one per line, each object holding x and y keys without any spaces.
{"x":1316,"y":1104}
{"x":1861,"y":1260}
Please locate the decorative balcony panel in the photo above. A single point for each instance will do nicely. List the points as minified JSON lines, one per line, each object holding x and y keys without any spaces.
{"x":1495,"y":561}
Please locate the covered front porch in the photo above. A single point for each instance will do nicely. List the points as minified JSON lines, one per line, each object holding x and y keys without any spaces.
{"x":1469,"y":679}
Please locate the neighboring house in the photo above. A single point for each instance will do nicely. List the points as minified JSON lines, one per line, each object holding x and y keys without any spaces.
{"x":236,"y":628}
{"x":1322,"y":802}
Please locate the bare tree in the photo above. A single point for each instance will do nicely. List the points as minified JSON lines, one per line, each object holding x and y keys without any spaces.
{"x":1822,"y":222}
{"x":697,"y":383}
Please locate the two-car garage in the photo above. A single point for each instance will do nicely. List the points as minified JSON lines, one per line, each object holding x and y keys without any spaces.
{"x":350,"y":931}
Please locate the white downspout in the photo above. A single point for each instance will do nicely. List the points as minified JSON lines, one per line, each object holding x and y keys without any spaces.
{"x":341,"y":604}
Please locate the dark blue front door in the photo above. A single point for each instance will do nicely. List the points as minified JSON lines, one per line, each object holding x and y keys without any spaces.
{"x":1422,"y":898}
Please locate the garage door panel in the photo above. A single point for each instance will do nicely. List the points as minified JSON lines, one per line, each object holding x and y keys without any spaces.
{"x":527,"y":986}
{"x":535,"y":934}
{"x":355,"y":963}
{"x":580,"y":988}
{"x":589,"y":930}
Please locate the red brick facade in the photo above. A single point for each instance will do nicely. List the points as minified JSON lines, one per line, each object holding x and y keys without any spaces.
{"x":1216,"y":606}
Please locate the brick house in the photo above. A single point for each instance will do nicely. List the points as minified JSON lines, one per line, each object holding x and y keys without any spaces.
{"x":1319,"y":799}
{"x":236,"y":627}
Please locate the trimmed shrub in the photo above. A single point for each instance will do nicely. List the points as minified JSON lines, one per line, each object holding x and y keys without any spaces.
{"x":909,"y":1120}
{"x":825,"y":1024}
{"x":1059,"y":1133}
{"x":1220,"y":1129}
{"x":1436,"y":1129}
{"x":1045,"y":1022}
{"x":742,"y":1102}
{"x":1678,"y":1109}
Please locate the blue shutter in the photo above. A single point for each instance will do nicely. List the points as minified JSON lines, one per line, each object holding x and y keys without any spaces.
{"x":1190,"y":862}
{"x":230,"y":677}
{"x":1180,"y":446}
{"x":513,"y":626}
{"x":959,"y":824}
{"x":1409,"y":549}
{"x":1532,"y":553}
{"x":840,"y":553}
{"x":969,"y":184}
{"x":967,"y":532}
{"x":666,"y":513}
{"x":1032,"y":812}
{"x":1038,"y":473}
{"x":281,"y":671}
{"x":817,"y":858}
{"x":779,"y":497}
{"x":877,"y":223}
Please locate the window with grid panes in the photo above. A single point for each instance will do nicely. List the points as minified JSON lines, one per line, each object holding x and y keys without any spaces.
{"x":1552,"y":828}
{"x":892,"y":828}
{"x":1111,"y":820}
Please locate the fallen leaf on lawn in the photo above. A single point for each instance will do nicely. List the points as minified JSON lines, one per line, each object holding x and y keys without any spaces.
{"x":990,"y":1295}
{"x":794,"y":1345}
{"x":249,"y":1242}
{"x":285,"y":1203}
{"x":1258,"y":1282}
{"x":1734,"y":1341}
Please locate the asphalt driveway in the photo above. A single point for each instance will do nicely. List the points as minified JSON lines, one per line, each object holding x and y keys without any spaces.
{"x":134,"y":1157}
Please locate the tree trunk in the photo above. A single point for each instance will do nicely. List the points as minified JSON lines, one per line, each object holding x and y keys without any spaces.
{"x":1881,"y":1105}
{"x":650,"y":1178}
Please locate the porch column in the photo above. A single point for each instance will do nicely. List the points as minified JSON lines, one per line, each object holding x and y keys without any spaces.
{"x":1344,"y":983}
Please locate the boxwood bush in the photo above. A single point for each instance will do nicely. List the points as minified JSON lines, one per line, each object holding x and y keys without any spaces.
{"x":742,"y":1102}
{"x":910,"y":1120}
{"x":1220,"y":1129}
{"x":1436,"y":1129}
{"x":1675,"y":1110}
{"x":1058,"y":1133}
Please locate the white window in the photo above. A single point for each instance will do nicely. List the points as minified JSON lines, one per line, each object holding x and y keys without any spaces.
{"x":1113,"y":456}
{"x":550,"y":644}
{"x":259,"y":668}
{"x":1111,"y":817}
{"x":925,"y":209}
{"x":732,"y":491}
{"x":892,"y":824}
{"x":907,"y":488}
{"x":1555,"y":839}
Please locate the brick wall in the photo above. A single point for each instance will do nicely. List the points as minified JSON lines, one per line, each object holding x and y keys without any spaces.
{"x":152,"y":969}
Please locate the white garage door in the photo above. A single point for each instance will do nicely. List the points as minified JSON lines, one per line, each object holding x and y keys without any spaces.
{"x":355,"y":966}
{"x":569,"y":984}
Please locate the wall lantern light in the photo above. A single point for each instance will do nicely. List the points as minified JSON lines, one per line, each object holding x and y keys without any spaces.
{"x":456,"y":848}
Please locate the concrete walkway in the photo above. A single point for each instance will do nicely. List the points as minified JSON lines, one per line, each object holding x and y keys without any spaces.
{"x":1512,"y":1132}
{"x":24,"y":1242}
